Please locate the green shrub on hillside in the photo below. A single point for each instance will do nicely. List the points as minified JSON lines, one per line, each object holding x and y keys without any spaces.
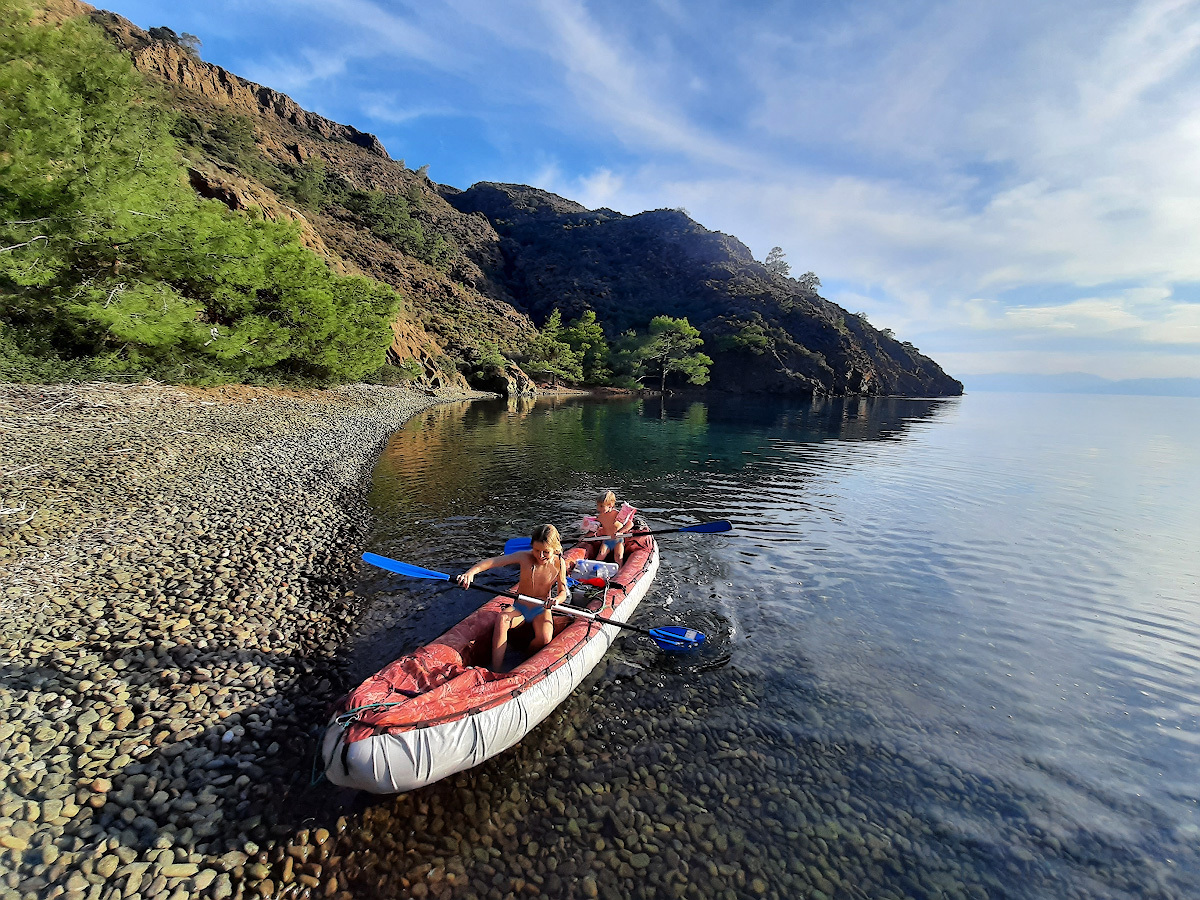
{"x":390,"y":218}
{"x":310,"y":187}
{"x":229,"y":139}
{"x":391,"y":374}
{"x":109,"y":263}
{"x":752,"y":336}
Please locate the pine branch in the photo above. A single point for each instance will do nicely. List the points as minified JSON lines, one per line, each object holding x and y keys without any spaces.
{"x":40,"y":237}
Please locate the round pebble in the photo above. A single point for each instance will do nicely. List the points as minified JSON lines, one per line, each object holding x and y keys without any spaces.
{"x":176,"y":595}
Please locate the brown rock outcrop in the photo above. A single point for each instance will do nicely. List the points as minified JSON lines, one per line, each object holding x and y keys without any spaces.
{"x":414,"y":344}
{"x":511,"y":382}
{"x":176,"y":65}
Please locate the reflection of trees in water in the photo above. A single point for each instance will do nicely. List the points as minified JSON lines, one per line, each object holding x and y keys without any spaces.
{"x":838,"y":418}
{"x":459,"y":454}
{"x":459,"y":473}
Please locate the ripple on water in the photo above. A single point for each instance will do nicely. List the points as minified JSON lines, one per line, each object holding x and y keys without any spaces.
{"x":953,"y":650}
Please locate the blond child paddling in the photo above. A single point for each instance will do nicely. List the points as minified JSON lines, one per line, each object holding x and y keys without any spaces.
{"x":543,"y":577}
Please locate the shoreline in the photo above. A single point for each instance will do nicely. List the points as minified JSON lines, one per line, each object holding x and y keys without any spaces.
{"x":175,"y":566}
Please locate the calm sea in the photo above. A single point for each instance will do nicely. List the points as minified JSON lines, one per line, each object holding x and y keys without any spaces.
{"x":955,"y":648}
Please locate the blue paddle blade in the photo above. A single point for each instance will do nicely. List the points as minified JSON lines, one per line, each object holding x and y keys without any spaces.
{"x":517,"y":544}
{"x":676,"y":638}
{"x":394,"y":565}
{"x":708,"y":527}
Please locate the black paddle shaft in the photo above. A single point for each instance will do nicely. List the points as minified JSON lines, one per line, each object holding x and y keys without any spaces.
{"x":704,"y":528}
{"x":582,"y":614}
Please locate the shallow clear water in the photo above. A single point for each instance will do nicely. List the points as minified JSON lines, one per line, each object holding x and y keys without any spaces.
{"x":955,"y":648}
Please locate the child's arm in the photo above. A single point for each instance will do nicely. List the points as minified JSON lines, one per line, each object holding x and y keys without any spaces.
{"x":562,"y":594}
{"x":510,"y":559}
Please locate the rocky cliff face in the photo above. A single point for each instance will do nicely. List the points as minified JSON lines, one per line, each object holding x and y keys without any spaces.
{"x":479,"y":267}
{"x":175,"y":65}
{"x":452,"y":307}
{"x":765,"y":332}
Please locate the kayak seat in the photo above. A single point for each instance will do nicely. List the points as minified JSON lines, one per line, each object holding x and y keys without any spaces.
{"x":421,"y":671}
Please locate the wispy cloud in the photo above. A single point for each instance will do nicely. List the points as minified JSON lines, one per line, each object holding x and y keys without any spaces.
{"x":383,"y":107}
{"x":297,"y":71}
{"x":1148,"y":315}
{"x":623,"y":90}
{"x":373,"y":27}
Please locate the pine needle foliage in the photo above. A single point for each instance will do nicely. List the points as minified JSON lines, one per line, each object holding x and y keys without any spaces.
{"x":109,"y":263}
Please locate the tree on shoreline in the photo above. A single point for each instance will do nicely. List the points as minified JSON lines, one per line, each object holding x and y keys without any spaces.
{"x":586,"y":337}
{"x":549,"y":356}
{"x":672,"y":345}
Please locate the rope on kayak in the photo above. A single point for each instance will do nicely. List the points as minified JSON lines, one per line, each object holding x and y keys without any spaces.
{"x":349,"y":716}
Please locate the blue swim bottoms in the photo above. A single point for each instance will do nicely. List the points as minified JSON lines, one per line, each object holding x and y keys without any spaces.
{"x":529,"y":610}
{"x":612,"y":544}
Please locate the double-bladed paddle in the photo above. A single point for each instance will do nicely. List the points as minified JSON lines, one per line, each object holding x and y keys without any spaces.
{"x":672,"y":638}
{"x":518,"y":544}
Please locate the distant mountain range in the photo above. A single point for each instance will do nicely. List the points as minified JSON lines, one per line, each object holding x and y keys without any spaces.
{"x":1081,"y":383}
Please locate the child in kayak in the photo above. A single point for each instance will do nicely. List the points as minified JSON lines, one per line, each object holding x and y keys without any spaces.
{"x":543,"y":575}
{"x":611,"y":527}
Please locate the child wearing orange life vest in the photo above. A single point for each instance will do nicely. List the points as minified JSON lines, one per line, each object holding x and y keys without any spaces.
{"x":612,"y":526}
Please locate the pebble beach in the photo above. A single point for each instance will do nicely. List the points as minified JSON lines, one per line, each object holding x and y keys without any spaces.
{"x":175,"y":574}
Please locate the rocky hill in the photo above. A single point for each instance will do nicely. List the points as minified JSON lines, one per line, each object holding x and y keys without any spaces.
{"x":251,"y":147}
{"x":479,"y":268}
{"x":765,"y":331}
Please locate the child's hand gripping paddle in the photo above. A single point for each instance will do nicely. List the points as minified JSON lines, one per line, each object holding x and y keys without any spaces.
{"x":671,"y":638}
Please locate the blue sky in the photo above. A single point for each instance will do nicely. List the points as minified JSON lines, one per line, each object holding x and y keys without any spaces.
{"x":1013,"y":187}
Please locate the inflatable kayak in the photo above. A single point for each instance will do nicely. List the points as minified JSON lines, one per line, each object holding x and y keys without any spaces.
{"x":441,"y":709}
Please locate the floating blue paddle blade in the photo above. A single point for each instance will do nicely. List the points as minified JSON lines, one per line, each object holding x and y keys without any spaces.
{"x":394,"y":565}
{"x":708,"y":527}
{"x":676,"y":638}
{"x":517,"y":544}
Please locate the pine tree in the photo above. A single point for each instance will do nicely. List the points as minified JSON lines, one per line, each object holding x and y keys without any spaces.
{"x":776,"y":262}
{"x":106,"y":254}
{"x":548,"y":356}
{"x":586,"y":337}
{"x":669,"y":348}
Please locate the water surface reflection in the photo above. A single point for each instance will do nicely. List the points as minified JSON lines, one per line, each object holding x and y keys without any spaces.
{"x":958,"y":653}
